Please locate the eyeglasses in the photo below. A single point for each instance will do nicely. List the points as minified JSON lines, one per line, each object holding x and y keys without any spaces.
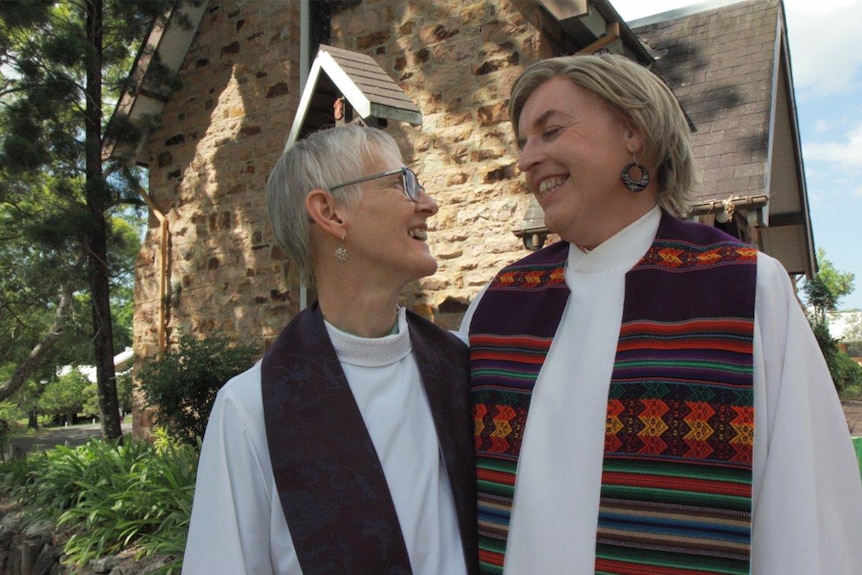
{"x":411,"y":185}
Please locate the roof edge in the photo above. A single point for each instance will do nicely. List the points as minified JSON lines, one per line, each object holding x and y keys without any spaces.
{"x":682,"y":12}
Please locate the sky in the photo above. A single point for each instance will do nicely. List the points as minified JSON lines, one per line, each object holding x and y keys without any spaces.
{"x":827,"y":75}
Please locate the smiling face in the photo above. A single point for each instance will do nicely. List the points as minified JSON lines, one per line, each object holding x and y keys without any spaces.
{"x":387,"y":232}
{"x":573,"y":148}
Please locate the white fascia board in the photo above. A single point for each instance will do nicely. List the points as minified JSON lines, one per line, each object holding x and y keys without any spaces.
{"x":304,"y":103}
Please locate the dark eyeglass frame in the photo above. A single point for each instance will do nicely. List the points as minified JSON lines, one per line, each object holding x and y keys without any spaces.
{"x":409,"y":182}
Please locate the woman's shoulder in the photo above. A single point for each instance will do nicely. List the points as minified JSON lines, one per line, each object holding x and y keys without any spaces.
{"x":243,"y":389}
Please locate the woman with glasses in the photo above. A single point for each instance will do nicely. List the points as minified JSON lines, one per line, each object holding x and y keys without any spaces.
{"x":348,"y":447}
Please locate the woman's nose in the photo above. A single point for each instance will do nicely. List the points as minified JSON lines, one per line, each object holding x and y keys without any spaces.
{"x":529,"y":157}
{"x":425,"y":203}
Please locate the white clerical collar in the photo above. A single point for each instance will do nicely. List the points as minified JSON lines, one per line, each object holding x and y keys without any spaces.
{"x":371,"y":351}
{"x":623,"y":249}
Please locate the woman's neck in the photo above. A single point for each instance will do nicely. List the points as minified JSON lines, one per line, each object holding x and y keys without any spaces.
{"x":358,"y":311}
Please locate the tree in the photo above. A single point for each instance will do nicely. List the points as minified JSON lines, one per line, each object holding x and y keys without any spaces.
{"x":65,"y":61}
{"x":824,"y":292}
{"x":828,"y":287}
{"x":68,"y":395}
{"x":37,"y":284}
{"x":43,"y":298}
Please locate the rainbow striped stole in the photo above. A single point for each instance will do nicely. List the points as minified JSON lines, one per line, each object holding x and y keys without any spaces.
{"x":676,"y":476}
{"x":504,"y":364}
{"x":676,"y":483}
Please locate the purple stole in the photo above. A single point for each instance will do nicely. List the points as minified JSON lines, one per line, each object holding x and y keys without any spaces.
{"x":676,"y":476}
{"x":329,"y":478}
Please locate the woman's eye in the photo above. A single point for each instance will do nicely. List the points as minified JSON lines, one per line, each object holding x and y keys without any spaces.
{"x":551,"y":132}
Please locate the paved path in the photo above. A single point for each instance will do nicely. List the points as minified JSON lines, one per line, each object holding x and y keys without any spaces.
{"x":853,"y":413}
{"x":52,"y":436}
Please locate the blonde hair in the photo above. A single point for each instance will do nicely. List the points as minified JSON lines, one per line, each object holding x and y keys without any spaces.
{"x":641,"y":98}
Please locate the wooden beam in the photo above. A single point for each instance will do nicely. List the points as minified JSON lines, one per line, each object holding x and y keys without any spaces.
{"x":612,"y":35}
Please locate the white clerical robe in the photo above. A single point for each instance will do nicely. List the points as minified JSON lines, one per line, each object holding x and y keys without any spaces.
{"x":807,"y":495}
{"x":237,"y":524}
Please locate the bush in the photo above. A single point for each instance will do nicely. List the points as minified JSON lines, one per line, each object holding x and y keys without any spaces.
{"x":11,"y":411}
{"x":110,"y":496}
{"x":182,"y":384}
{"x":69,"y":394}
{"x":846,"y":373}
{"x":854,"y":348}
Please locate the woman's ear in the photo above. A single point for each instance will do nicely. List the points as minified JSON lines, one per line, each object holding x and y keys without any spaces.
{"x":321,"y":208}
{"x":634,"y":140}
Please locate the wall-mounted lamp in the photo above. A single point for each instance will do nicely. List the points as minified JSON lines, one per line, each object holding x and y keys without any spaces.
{"x":534,"y":241}
{"x":726,"y":213}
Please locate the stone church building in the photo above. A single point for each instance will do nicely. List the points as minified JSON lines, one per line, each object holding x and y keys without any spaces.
{"x":436,"y":75}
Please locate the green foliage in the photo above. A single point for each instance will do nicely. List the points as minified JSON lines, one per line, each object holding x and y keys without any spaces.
{"x":9,"y":411}
{"x":824,"y":292}
{"x":182,"y":385}
{"x":68,"y":394}
{"x":4,"y":435}
{"x":125,"y":390}
{"x":845,"y":372}
{"x":110,"y":496}
{"x":828,"y":287}
{"x":63,"y":66}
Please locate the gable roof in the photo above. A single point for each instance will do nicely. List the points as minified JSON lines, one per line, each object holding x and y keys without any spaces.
{"x":168,"y":42}
{"x":729,"y":65}
{"x":363,"y":83}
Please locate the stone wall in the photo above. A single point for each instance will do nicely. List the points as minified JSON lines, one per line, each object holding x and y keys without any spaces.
{"x":456,"y":60}
{"x":222,"y":132}
{"x":36,"y":548}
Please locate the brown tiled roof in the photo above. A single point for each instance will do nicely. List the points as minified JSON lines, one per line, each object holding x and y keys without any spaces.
{"x":720,"y":64}
{"x":729,"y":65}
{"x":368,"y":90}
{"x":371,"y":80}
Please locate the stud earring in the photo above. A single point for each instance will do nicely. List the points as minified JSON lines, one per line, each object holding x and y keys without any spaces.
{"x":629,"y":182}
{"x":341,"y":255}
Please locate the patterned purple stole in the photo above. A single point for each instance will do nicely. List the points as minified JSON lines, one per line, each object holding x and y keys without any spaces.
{"x":676,"y":478}
{"x":329,"y":478}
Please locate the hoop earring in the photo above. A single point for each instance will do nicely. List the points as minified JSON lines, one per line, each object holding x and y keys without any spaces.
{"x":341,"y":255}
{"x":631,"y":183}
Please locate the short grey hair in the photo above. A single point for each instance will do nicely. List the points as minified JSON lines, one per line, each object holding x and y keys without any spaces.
{"x":641,"y":98}
{"x":322,"y":160}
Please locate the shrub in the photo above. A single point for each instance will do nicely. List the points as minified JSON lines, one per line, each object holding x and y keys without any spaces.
{"x":182,"y":384}
{"x":846,"y":373}
{"x":110,"y":496}
{"x":69,"y":394}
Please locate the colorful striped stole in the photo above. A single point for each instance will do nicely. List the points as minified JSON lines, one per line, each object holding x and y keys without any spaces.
{"x":676,"y":475}
{"x":504,"y":364}
{"x":676,"y":482}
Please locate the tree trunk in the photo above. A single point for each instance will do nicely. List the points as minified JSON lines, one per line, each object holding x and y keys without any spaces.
{"x":37,"y":355}
{"x":98,"y":203}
